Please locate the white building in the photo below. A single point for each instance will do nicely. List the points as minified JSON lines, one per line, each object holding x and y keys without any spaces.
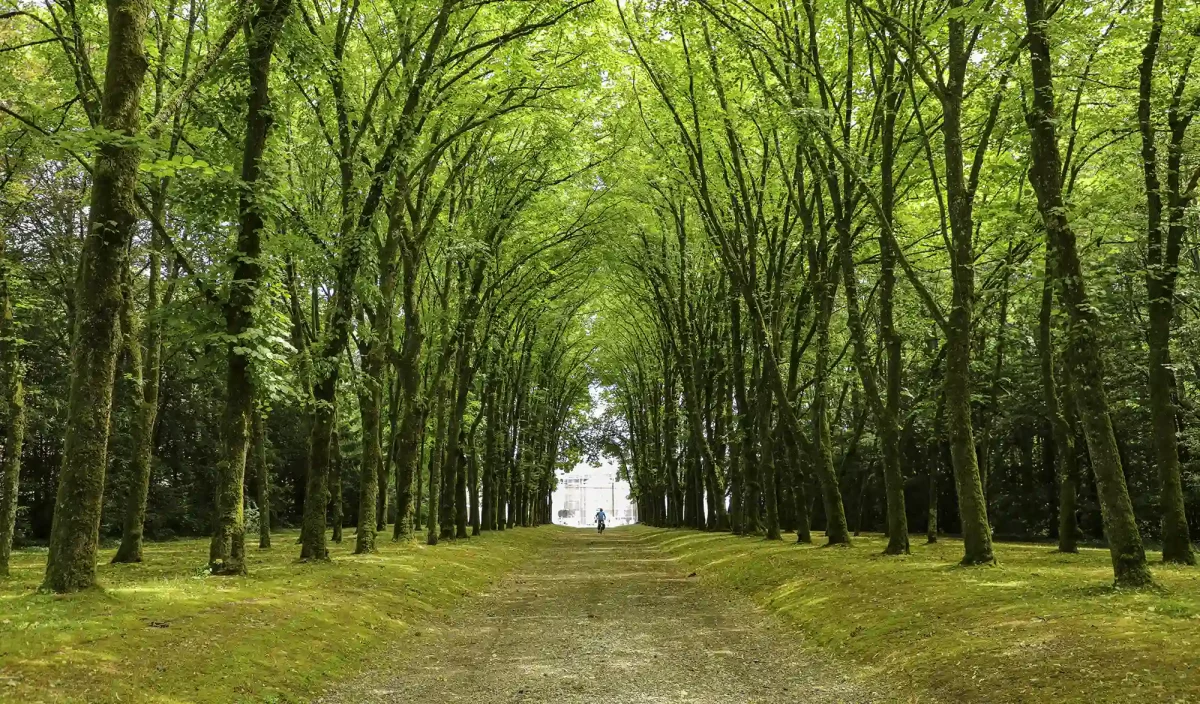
{"x":587,"y":489}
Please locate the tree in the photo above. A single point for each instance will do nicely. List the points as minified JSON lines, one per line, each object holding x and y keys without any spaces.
{"x":96,"y":338}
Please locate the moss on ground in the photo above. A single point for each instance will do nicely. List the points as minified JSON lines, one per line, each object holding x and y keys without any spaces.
{"x":163,"y":631}
{"x":1041,"y":626}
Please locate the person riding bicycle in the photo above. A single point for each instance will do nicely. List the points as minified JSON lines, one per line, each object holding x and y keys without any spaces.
{"x":600,"y":520}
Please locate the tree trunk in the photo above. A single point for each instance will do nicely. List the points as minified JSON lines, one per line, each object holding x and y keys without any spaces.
{"x":417,"y":502}
{"x":670,"y":435}
{"x":372,"y":511}
{"x":226,"y":553}
{"x":385,"y":456}
{"x":991,"y":409}
{"x":1066,"y":461}
{"x":435,"y":469}
{"x":881,"y":409}
{"x":412,"y":409}
{"x":146,"y":410}
{"x":893,"y":471}
{"x":262,"y":480}
{"x":936,"y":461}
{"x":369,"y":488}
{"x":112,"y":218}
{"x":1083,"y":350}
{"x":741,"y":459}
{"x":13,"y":403}
{"x":977,"y":539}
{"x":836,"y":529}
{"x":322,"y":436}
{"x":336,"y":507}
{"x":1161,"y":274}
{"x":473,"y":485}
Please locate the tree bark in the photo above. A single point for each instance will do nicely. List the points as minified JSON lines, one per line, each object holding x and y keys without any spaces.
{"x":881,"y":409}
{"x":1161,"y":274}
{"x":262,"y":479}
{"x":112,"y":218}
{"x":226,"y":553}
{"x":413,"y":409}
{"x":1066,"y":460}
{"x":145,"y":412}
{"x":1083,"y":347}
{"x":12,"y":387}
{"x":836,"y":528}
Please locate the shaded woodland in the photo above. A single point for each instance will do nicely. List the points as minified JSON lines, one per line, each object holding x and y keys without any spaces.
{"x":379,"y":271}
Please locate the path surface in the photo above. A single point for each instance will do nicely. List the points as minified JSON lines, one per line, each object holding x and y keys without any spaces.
{"x":605,"y":619}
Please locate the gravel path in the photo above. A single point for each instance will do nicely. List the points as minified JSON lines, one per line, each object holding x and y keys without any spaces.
{"x":606,"y":619}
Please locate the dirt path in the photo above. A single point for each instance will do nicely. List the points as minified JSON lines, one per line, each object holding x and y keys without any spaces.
{"x":605,"y":618}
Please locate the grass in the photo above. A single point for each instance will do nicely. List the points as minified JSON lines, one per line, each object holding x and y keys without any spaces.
{"x":1041,"y":626}
{"x":163,"y":631}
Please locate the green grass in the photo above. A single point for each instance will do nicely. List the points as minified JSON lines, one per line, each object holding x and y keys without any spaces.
{"x":162,"y":631}
{"x":1041,"y":626}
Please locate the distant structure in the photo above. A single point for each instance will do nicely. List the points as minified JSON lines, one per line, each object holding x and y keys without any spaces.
{"x":585,"y":490}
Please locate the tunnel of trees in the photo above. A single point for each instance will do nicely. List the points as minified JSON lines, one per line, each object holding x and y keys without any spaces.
{"x":794,"y":265}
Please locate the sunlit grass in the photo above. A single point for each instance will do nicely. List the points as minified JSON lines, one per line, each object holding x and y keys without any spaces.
{"x":163,"y":631}
{"x":1040,"y":626}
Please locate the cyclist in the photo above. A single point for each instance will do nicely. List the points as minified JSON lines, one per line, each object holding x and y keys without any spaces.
{"x":600,"y":519}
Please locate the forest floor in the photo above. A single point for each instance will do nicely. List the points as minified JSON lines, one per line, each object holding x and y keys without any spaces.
{"x":1040,"y":626}
{"x":163,"y":631}
{"x":609,"y":618}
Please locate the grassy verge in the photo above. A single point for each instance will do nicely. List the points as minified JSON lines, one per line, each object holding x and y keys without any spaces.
{"x":164,"y":632}
{"x":1041,"y":626}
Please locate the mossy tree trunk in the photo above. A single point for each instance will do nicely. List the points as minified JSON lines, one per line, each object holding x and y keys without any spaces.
{"x":1083,"y":342}
{"x":144,"y":370}
{"x":433,"y":523}
{"x":370,"y":401}
{"x":836,"y":528}
{"x":262,"y":478}
{"x":881,"y":410}
{"x":372,"y":504}
{"x":1065,"y":457}
{"x":413,"y":403}
{"x":492,"y":392}
{"x":948,"y":85}
{"x":74,"y":536}
{"x":336,"y":505}
{"x":977,"y":539}
{"x":12,"y":401}
{"x":322,"y":443}
{"x":670,"y":437}
{"x":744,"y":447}
{"x":227,"y":549}
{"x":1162,"y":269}
{"x":148,"y":375}
{"x":473,"y":479}
{"x":893,"y":471}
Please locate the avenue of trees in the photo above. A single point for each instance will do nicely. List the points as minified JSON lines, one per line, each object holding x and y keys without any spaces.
{"x":855,"y":265}
{"x":320,"y":259}
{"x":906,"y":265}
